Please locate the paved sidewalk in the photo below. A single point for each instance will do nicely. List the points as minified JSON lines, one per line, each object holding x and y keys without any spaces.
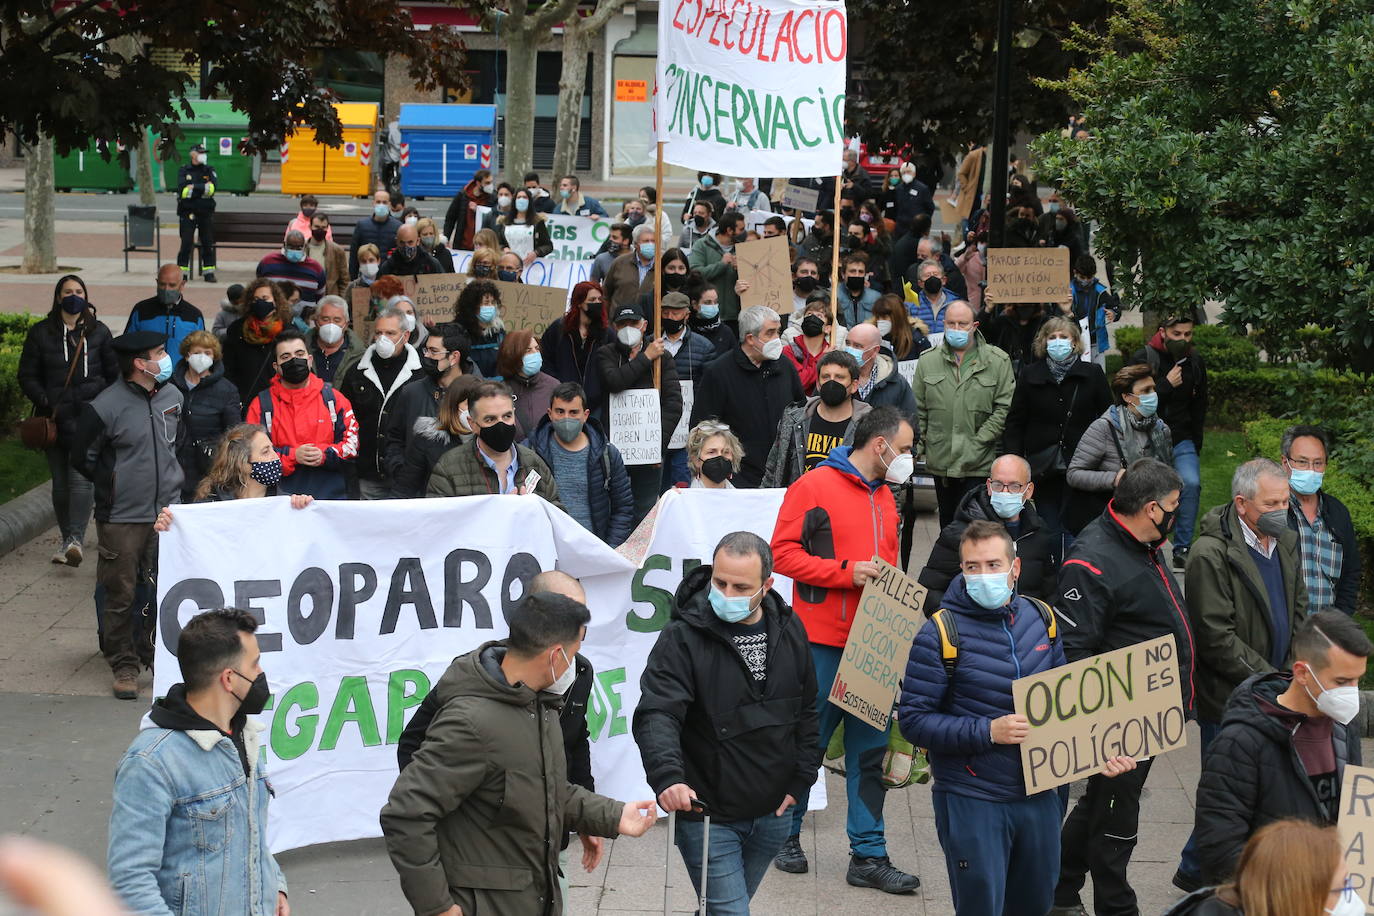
{"x":61,"y":735}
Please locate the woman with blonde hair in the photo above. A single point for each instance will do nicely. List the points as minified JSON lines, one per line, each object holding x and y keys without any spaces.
{"x":432,"y":437}
{"x":482,"y":264}
{"x":1289,"y":868}
{"x":714,"y":454}
{"x":245,"y":466}
{"x":433,"y":243}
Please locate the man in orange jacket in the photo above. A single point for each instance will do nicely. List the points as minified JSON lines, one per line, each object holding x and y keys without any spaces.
{"x":833,"y":522}
{"x":311,"y":425}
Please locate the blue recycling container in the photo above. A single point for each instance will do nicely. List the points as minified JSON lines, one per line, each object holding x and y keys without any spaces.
{"x":442,"y":146}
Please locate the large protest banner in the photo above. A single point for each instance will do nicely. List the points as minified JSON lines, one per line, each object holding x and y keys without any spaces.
{"x":576,"y":238}
{"x":755,"y":89}
{"x":364,"y":604}
{"x":879,"y":643}
{"x":1124,"y":703}
{"x":1028,"y":275}
{"x":1356,"y":823}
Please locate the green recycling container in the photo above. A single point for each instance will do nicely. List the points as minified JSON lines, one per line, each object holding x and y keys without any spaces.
{"x":87,"y":170}
{"x":221,"y":130}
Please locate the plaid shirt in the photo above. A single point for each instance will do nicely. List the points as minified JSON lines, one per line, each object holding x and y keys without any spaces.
{"x":1321,"y":558}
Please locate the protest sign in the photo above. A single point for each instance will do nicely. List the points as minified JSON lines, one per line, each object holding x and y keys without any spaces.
{"x":576,"y":238}
{"x":1356,"y":824}
{"x":524,"y":305}
{"x":796,"y":197}
{"x":637,"y":425}
{"x":1028,"y":275}
{"x":907,"y":370}
{"x":363,"y":606}
{"x":436,"y":296}
{"x":1124,"y":703}
{"x":757,"y":92}
{"x":689,"y":396}
{"x":754,"y":220}
{"x":363,"y":309}
{"x":879,"y":642}
{"x":766,"y":266}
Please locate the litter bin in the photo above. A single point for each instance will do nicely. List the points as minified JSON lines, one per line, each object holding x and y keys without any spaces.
{"x":310,"y":167}
{"x":88,"y":170}
{"x":221,"y":130}
{"x":142,"y":225}
{"x":444,"y":145}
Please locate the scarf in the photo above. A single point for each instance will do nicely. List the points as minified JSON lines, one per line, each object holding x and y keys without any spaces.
{"x":260,"y":332}
{"x":1058,"y":369}
{"x":1133,"y":448}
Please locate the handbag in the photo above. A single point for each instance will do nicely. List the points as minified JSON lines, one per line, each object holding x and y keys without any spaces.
{"x":37,"y":432}
{"x":1050,"y":460}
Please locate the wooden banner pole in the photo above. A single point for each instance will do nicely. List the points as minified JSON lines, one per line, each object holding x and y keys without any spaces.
{"x":658,"y":263}
{"x":835,"y":266}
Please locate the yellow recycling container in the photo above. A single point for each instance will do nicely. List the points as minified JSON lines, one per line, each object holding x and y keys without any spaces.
{"x":310,"y":167}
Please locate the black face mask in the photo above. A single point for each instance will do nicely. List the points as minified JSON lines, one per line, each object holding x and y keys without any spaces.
{"x":855,"y":285}
{"x":261,"y":308}
{"x":498,"y":436}
{"x":593,"y":310}
{"x":295,"y":370}
{"x":805,"y":285}
{"x":673,"y":325}
{"x":318,"y":234}
{"x":673,"y":281}
{"x":741,"y":237}
{"x":510,"y":276}
{"x":1165,"y":524}
{"x":700,"y":221}
{"x":812,"y":326}
{"x":255,"y":700}
{"x":431,"y":367}
{"x":481,"y":270}
{"x":718,"y":469}
{"x":932,"y":285}
{"x":833,"y":394}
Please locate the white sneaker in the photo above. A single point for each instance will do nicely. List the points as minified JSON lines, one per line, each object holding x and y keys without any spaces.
{"x":74,"y":554}
{"x":60,"y":557}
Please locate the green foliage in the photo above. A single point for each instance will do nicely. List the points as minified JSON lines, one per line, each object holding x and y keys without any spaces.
{"x":21,"y":469}
{"x":13,"y":404}
{"x":1228,"y":162}
{"x":1221,"y":348}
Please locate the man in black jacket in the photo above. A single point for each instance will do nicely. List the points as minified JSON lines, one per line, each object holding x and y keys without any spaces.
{"x":1284,"y":743}
{"x":1330,"y":550}
{"x":573,"y":720}
{"x":726,"y":714}
{"x":1115,"y":591}
{"x":370,"y":386}
{"x":1006,"y":499}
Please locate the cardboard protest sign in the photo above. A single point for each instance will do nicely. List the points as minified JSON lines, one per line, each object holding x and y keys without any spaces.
{"x":637,"y":425}
{"x":436,"y":296}
{"x":524,"y":305}
{"x":1028,"y":275}
{"x":1356,"y":823}
{"x":796,"y":197}
{"x":766,"y":266}
{"x":362,"y":309}
{"x":879,"y":642}
{"x":1124,"y":703}
{"x":759,"y":91}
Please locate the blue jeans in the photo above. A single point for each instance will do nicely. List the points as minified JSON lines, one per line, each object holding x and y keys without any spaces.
{"x":1188,"y":861}
{"x":72,"y":495}
{"x":739,"y":857}
{"x":864,"y":747}
{"x":1190,"y":469}
{"x":674,"y":468}
{"x":992,"y":847}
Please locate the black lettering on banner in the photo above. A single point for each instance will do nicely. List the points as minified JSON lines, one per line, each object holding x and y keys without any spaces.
{"x":408,"y":587}
{"x":353,"y":593}
{"x":459,"y":591}
{"x":313,"y":584}
{"x":522,"y":567}
{"x":205,"y":593}
{"x":245,"y":592}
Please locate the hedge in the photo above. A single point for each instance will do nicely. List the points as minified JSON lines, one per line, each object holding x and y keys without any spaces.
{"x":13,"y":404}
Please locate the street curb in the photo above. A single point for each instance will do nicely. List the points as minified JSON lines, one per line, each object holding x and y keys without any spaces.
{"x":26,"y":517}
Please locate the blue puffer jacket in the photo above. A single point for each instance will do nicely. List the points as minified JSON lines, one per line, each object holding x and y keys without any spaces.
{"x":611,"y":501}
{"x":952,"y":719}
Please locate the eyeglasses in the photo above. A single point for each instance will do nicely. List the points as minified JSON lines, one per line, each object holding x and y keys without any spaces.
{"x":1304,"y":464}
{"x":999,"y":487}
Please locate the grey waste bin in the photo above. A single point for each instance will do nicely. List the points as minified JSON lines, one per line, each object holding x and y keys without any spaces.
{"x":142,"y":225}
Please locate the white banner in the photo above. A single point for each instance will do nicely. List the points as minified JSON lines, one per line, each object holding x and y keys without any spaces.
{"x":539,"y":272}
{"x":365,"y":604}
{"x":753,"y":89}
{"x":576,"y":238}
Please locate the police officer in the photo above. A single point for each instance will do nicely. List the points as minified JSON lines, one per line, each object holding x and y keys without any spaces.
{"x":196,"y":211}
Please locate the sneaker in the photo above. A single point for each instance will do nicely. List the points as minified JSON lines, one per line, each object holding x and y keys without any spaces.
{"x":208,"y":276}
{"x":879,"y":872}
{"x":1180,"y":559}
{"x":126,"y":685}
{"x":59,"y":557}
{"x":790,"y":858}
{"x":1188,"y":882}
{"x":73,"y":554}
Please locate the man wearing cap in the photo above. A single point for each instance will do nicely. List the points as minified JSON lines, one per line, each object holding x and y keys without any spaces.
{"x":196,"y":211}
{"x":129,"y":433}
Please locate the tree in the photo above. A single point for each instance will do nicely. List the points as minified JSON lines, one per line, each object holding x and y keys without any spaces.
{"x":71,"y":72}
{"x":926,"y":78}
{"x":40,"y":250}
{"x":1232,"y":169}
{"x":578,"y":32}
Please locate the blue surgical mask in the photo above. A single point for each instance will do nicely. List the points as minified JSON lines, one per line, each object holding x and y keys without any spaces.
{"x":1008,"y":505}
{"x":295,"y":255}
{"x":956,"y":338}
{"x":381,"y":211}
{"x":1305,"y":482}
{"x":857,"y":353}
{"x":731,"y":610}
{"x":522,"y":204}
{"x":1149,"y":404}
{"x":486,"y":314}
{"x":991,"y":590}
{"x":709,"y":311}
{"x":1059,"y":349}
{"x":164,"y":368}
{"x":646,"y":250}
{"x":531,"y":364}
{"x":707,"y":181}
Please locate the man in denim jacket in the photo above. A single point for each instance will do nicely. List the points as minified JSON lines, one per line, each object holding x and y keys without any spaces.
{"x":188,"y":829}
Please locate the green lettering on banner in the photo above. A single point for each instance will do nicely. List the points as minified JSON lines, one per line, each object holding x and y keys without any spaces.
{"x":288,"y":745}
{"x":797,"y":118}
{"x":353,"y":704}
{"x":661,"y":600}
{"x":400,"y":701}
{"x":720,"y":114}
{"x":603,"y":707}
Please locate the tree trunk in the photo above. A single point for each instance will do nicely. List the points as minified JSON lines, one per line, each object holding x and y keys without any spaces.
{"x":40,"y":215}
{"x":572,"y":83}
{"x":522,"y":48}
{"x":143,"y":174}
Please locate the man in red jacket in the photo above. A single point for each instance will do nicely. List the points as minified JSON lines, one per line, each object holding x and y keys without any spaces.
{"x":311,"y":425}
{"x":833,"y":522}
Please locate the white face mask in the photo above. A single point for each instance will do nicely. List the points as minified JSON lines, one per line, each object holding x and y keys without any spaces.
{"x":1340,"y":704}
{"x":629,"y":336}
{"x":331,"y":333}
{"x":412,"y":220}
{"x":1349,"y":904}
{"x":199,"y":362}
{"x":899,"y":471}
{"x":409,"y":323}
{"x":772,"y":349}
{"x":562,"y":682}
{"x":369,"y":271}
{"x":884,"y":326}
{"x":385,"y":347}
